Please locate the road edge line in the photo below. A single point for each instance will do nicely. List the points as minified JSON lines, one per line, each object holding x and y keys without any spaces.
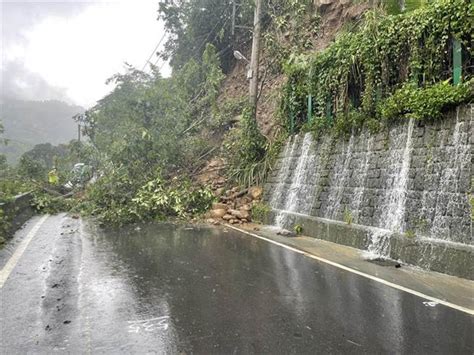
{"x":360,"y":273}
{"x":11,"y":263}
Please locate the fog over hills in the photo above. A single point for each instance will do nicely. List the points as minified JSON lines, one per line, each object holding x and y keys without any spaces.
{"x":28,"y":123}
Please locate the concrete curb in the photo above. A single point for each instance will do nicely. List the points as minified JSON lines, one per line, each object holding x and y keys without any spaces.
{"x":437,"y":255}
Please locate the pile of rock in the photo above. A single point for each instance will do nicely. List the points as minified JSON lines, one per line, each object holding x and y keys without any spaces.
{"x":234,"y":206}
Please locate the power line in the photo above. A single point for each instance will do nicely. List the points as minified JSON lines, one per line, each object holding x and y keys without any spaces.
{"x":154,"y":51}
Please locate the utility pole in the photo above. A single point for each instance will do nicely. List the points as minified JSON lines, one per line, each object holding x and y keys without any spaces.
{"x":254,"y":60}
{"x":234,"y":10}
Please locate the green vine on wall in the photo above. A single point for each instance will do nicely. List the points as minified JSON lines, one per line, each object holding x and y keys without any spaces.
{"x":352,"y":81}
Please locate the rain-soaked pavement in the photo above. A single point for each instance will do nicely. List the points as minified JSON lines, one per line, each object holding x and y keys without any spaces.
{"x":177,"y":289}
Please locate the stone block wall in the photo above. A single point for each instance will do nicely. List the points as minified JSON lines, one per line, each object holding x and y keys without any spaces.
{"x":412,"y":178}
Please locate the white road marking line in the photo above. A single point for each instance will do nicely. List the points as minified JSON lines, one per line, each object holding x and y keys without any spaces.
{"x":10,"y":265}
{"x":368,"y":276}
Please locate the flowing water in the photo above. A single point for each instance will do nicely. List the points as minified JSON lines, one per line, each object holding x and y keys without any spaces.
{"x":339,"y":182}
{"x":284,"y":172}
{"x":360,"y":189}
{"x":392,"y":218}
{"x":379,"y":244}
{"x":299,"y":197}
{"x":393,"y":210}
{"x":448,"y":197}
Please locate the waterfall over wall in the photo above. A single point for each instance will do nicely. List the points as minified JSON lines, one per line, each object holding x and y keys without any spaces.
{"x":412,"y":178}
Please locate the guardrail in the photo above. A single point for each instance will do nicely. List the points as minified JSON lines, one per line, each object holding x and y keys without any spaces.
{"x":15,"y":213}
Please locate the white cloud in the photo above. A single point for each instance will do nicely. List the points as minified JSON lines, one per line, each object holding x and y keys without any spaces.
{"x":80,"y":52}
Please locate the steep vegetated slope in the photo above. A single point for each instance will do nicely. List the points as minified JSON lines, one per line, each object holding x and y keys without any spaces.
{"x":292,"y":27}
{"x":359,"y":68}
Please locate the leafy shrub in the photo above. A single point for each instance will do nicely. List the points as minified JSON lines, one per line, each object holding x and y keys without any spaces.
{"x":12,"y":187}
{"x":348,"y":217}
{"x":260,"y":212}
{"x":410,"y":101}
{"x":45,"y":203}
{"x":158,"y":199}
{"x":245,"y":149}
{"x":298,"y":229}
{"x":116,"y":199}
{"x":4,"y":226}
{"x":110,"y":198}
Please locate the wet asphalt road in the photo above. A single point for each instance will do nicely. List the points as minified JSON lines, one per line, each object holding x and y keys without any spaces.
{"x":168,"y":289}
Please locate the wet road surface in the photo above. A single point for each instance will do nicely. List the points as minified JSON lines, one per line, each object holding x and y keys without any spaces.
{"x":177,"y":289}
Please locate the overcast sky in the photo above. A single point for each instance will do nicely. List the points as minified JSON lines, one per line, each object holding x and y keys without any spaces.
{"x":67,"y":49}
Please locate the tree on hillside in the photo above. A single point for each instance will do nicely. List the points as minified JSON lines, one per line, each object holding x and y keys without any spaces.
{"x":141,"y":124}
{"x":193,"y":24}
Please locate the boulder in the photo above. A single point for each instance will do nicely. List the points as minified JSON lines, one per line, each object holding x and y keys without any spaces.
{"x":227,"y":217}
{"x":219,"y":206}
{"x":218,"y":192}
{"x":255,"y":192}
{"x":246,"y":207}
{"x":240,"y":214}
{"x":246,"y":200}
{"x":218,"y":213}
{"x":244,"y":214}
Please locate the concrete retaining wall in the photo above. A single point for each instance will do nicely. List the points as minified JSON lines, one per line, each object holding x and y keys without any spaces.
{"x":446,"y":257}
{"x":17,"y":212}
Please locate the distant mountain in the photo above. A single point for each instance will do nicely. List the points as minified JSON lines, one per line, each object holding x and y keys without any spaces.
{"x":28,"y":123}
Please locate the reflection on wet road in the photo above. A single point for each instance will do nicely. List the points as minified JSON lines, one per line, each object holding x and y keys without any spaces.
{"x":170,"y":289}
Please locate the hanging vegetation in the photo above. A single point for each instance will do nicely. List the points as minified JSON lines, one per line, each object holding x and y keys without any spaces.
{"x":352,"y":81}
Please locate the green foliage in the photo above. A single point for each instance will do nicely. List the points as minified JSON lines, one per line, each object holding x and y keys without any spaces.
{"x":192,"y":24}
{"x":399,"y":6}
{"x":13,"y":186}
{"x":348,"y":217}
{"x":110,"y":198}
{"x":298,"y":228}
{"x":150,"y":124}
{"x":362,"y":68}
{"x":158,"y":199}
{"x":245,"y":149}
{"x":116,"y":199}
{"x":147,"y":121}
{"x":35,"y":163}
{"x":425,"y":103}
{"x":45,"y":203}
{"x":4,"y":226}
{"x":260,"y":212}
